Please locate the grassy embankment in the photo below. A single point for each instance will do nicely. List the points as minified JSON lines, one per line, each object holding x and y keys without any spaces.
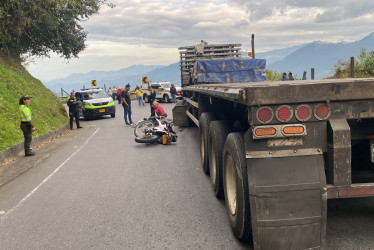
{"x":47,"y":111}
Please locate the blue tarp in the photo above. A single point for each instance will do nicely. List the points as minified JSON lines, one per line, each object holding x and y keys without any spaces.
{"x":230,"y":70}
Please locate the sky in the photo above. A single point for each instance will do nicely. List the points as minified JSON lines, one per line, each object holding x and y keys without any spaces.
{"x":149,"y":32}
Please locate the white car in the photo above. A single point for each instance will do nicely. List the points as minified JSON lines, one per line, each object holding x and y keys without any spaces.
{"x":162,"y":91}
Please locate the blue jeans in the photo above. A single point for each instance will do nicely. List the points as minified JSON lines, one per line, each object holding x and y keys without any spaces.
{"x":140,"y":100}
{"x":173,"y":96}
{"x":127,"y":113}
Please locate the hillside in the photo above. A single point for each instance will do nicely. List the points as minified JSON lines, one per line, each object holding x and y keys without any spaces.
{"x":47,"y":110}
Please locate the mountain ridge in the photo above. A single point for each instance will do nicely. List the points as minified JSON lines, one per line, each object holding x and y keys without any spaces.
{"x":322,"y":56}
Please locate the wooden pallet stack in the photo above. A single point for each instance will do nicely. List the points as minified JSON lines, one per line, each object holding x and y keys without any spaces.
{"x":190,"y":54}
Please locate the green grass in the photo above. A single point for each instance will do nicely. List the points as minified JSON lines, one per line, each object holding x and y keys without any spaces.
{"x":47,"y":111}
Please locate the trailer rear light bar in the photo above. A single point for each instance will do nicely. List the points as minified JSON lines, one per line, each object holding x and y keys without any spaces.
{"x":286,"y":113}
{"x":277,"y":131}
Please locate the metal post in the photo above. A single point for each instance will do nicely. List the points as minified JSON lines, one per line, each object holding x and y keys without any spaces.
{"x":253,"y":46}
{"x":312,"y":74}
{"x":352,"y":67}
{"x":304,"y":75}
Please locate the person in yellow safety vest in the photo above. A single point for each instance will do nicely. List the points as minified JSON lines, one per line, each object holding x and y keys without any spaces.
{"x":26,"y":124}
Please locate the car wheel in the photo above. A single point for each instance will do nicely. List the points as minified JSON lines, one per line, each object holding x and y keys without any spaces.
{"x":146,"y":98}
{"x":166,"y":98}
{"x":113,"y":115}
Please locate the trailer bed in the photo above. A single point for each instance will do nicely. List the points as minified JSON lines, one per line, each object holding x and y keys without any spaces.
{"x":280,"y":92}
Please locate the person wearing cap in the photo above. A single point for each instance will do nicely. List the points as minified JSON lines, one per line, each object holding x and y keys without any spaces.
{"x":26,"y":124}
{"x":72,"y":103}
{"x":126,"y":104}
{"x":284,"y":77}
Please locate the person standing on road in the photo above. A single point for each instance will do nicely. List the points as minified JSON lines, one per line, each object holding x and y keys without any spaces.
{"x":173,"y":92}
{"x":114,"y":93}
{"x":126,"y":104}
{"x":119,"y":91}
{"x":139,"y":96}
{"x":110,"y":92}
{"x":26,"y":124}
{"x":73,"y":110}
{"x":152,"y":98}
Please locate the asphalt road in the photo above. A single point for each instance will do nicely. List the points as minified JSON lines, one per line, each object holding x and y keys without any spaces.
{"x":96,"y":188}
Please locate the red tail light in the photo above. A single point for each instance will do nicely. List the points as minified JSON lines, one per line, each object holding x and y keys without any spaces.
{"x":284,"y":113}
{"x":321,"y":112}
{"x":303,"y":113}
{"x":265,"y":114}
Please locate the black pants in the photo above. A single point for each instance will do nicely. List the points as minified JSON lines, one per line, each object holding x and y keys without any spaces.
{"x":27,"y":134}
{"x":72,"y":116}
{"x":152,"y":108}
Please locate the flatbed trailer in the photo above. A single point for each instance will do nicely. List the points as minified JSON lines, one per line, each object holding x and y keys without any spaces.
{"x":276,"y":151}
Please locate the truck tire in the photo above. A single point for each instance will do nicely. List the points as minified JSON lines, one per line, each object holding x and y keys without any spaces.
{"x":204,"y":123}
{"x":218,"y":132}
{"x":235,"y":182}
{"x":166,"y":99}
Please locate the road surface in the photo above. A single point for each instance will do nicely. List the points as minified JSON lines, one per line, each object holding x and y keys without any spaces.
{"x":97,"y":189}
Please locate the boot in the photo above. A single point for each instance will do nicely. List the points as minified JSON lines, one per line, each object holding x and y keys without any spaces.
{"x":30,"y":153}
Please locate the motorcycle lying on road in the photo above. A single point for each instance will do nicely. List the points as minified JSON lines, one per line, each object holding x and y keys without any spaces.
{"x":154,"y":130}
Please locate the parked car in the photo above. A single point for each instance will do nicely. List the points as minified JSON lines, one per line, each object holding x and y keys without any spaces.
{"x":95,"y":102}
{"x":162,"y":91}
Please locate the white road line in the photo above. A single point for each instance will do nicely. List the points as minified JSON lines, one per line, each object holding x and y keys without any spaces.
{"x":9,"y":212}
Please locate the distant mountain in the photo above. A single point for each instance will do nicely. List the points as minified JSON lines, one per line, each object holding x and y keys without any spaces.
{"x":321,"y":56}
{"x":120,"y":77}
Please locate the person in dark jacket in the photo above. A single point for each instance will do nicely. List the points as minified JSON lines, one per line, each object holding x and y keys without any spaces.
{"x":152,"y":97}
{"x":173,"y":92}
{"x":73,"y":110}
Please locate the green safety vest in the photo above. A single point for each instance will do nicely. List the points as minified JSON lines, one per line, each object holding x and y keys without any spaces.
{"x":25,"y":113}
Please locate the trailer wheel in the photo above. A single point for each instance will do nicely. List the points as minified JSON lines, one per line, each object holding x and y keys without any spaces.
{"x":235,"y":181}
{"x":204,"y":123}
{"x":218,"y":132}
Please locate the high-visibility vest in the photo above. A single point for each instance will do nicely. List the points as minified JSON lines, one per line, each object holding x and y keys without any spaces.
{"x":25,"y":113}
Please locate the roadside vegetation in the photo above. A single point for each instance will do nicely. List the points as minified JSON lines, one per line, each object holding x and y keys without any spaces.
{"x":37,"y":28}
{"x":47,"y":111}
{"x":363,"y":66}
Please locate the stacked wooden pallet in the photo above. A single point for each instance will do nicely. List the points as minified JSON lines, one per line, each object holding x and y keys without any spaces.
{"x":190,"y":54}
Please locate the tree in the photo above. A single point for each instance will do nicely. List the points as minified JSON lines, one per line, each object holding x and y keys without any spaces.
{"x":363,"y":66}
{"x":37,"y":27}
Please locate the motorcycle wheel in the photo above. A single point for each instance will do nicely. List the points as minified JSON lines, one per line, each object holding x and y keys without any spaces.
{"x":147,"y":139}
{"x":142,"y":126}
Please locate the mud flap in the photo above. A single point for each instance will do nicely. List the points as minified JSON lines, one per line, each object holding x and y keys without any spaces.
{"x":288,"y":198}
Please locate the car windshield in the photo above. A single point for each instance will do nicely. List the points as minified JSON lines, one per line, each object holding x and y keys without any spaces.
{"x":95,"y":95}
{"x":166,"y":86}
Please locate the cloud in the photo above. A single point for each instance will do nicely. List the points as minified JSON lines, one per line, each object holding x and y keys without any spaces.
{"x":150,"y":31}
